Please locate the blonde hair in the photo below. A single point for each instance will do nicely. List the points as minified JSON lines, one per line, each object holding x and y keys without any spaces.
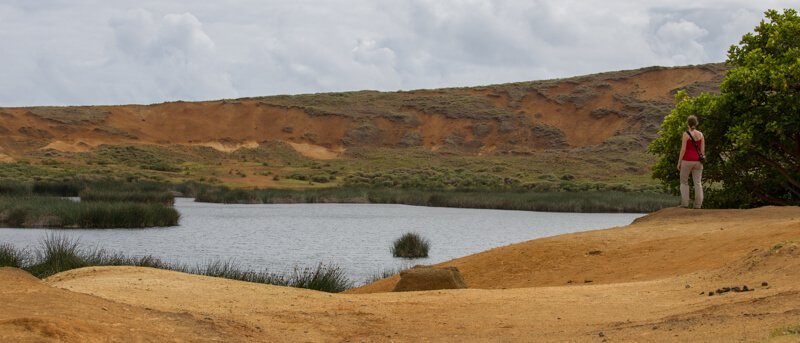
{"x":692,"y":121}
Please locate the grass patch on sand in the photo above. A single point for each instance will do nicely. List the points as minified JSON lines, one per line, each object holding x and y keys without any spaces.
{"x":410,"y":245}
{"x":40,"y":211}
{"x":789,"y":330}
{"x":58,"y":253}
{"x":581,"y":201}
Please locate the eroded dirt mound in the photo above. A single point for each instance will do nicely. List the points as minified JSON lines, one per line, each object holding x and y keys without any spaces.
{"x":622,"y":109}
{"x":32,"y":311}
{"x":426,"y":278}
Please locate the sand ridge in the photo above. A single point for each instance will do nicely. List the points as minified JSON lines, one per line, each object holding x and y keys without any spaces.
{"x":641,"y":290}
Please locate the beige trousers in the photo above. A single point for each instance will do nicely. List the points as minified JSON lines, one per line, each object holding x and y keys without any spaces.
{"x":696,"y":169}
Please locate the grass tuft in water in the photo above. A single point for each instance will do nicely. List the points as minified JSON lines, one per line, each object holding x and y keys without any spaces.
{"x":410,"y":245}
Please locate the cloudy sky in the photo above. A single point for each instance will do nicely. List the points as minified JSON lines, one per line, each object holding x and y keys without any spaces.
{"x":70,"y":52}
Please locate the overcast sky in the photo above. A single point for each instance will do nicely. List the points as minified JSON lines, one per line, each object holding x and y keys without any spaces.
{"x":70,"y":52}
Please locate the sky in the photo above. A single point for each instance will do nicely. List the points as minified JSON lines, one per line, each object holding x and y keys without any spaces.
{"x":93,"y":52}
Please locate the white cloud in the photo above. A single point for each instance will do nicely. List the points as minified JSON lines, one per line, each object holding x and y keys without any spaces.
{"x":679,"y":42}
{"x":96,"y":52}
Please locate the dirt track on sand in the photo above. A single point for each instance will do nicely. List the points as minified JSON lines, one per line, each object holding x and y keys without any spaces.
{"x":647,"y":280}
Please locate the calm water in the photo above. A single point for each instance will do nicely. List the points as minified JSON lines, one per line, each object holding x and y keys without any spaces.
{"x":355,"y":237}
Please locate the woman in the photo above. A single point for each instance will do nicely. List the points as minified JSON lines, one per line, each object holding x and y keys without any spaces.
{"x":689,"y":162}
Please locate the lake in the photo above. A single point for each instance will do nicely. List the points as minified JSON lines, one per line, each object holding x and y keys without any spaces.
{"x":356,"y":237}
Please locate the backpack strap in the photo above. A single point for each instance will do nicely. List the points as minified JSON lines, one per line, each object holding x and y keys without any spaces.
{"x":693,"y":142}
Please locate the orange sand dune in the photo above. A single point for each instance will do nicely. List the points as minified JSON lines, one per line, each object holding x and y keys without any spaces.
{"x":649,"y":283}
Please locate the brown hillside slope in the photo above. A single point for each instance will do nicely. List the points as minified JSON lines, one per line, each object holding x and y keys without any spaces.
{"x":527,"y":116}
{"x":755,"y":246}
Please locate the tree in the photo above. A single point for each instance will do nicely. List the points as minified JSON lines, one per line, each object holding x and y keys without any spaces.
{"x":752,"y":126}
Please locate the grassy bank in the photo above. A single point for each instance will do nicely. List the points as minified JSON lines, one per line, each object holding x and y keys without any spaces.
{"x":57,"y":253}
{"x":583,"y":201}
{"x":41,"y":211}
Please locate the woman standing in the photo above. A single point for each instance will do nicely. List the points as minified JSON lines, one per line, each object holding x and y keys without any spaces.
{"x":689,"y":162}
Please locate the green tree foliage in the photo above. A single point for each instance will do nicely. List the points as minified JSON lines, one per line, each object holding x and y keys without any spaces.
{"x":752,"y":126}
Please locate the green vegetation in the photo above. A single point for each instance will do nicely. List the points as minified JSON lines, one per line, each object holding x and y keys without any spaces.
{"x":789,"y":330}
{"x":154,"y":197}
{"x":752,"y":127}
{"x":11,"y":257}
{"x":579,"y":201}
{"x":58,"y":253}
{"x":410,"y":245}
{"x":38,"y":211}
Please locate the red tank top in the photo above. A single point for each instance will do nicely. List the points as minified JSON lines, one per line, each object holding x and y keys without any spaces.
{"x":691,"y":153}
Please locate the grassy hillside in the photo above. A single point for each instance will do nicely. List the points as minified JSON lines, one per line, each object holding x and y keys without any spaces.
{"x":576,"y":134}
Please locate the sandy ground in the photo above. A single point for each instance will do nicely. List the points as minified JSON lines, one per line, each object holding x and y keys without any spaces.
{"x":646,"y":285}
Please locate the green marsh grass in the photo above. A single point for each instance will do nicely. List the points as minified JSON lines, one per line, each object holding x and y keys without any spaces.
{"x":11,"y":257}
{"x":38,"y":211}
{"x":58,"y":253}
{"x":553,"y":201}
{"x":152,"y":197}
{"x":410,"y":245}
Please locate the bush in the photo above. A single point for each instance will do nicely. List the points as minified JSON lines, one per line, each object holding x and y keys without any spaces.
{"x":410,"y":245}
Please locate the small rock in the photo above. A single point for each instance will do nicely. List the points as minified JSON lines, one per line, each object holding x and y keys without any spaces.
{"x":688,"y":286}
{"x":703,"y":292}
{"x":764,"y":284}
{"x":601,"y":334}
{"x":595,"y":252}
{"x":710,"y":294}
{"x":569,"y":281}
{"x":587,"y":281}
{"x":655,"y":328}
{"x":746,"y":289}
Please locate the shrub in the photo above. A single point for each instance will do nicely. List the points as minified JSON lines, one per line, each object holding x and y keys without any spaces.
{"x":410,"y":245}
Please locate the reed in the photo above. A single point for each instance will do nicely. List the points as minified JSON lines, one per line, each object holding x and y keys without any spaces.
{"x":550,"y":201}
{"x":12,"y":257}
{"x":151,"y":197}
{"x":38,"y":211}
{"x":58,"y":253}
{"x":410,"y":245}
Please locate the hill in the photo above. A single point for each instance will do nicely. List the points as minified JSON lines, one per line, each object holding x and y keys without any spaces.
{"x":615,"y":113}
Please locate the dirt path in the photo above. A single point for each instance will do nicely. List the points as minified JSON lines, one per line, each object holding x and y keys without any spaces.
{"x":647,"y":285}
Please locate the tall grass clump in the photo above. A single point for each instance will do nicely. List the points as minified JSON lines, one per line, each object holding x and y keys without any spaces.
{"x":11,"y":256}
{"x":325,"y":277}
{"x":152,"y":197}
{"x":410,"y":245}
{"x":57,"y":254}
